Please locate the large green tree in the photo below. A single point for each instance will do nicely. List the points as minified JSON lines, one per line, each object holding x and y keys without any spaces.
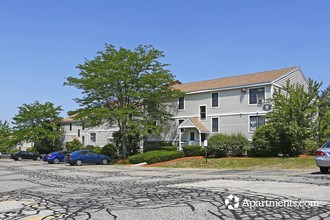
{"x":295,"y":116}
{"x":324,"y":115}
{"x":39,"y":123}
{"x":125,"y":88}
{"x":5,"y":136}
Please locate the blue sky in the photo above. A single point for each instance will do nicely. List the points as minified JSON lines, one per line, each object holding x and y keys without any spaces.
{"x":42,"y":41}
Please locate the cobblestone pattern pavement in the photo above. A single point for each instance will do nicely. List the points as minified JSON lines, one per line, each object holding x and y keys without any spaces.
{"x":35,"y":190}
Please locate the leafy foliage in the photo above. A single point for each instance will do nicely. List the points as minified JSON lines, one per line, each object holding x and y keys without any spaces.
{"x":294,"y":117}
{"x":155,"y":156}
{"x":6,"y":141}
{"x":126,"y":88}
{"x":324,"y":116}
{"x":221,"y":145}
{"x":38,"y":123}
{"x":265,"y":142}
{"x":110,"y":150}
{"x":193,"y":151}
{"x":73,"y":145}
{"x":156,"y":145}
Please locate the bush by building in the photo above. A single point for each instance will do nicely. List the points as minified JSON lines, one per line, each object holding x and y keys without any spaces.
{"x":221,"y":145}
{"x":155,"y":145}
{"x":155,"y":156}
{"x":110,"y":150}
{"x":193,"y":150}
{"x":73,"y":145}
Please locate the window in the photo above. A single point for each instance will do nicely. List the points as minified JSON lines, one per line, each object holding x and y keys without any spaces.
{"x":256,"y":95}
{"x":181,"y":103}
{"x":83,"y":140}
{"x":181,"y":121}
{"x":78,"y":132}
{"x":215,"y":100}
{"x":215,"y":124}
{"x":93,"y":137}
{"x":202,"y":112}
{"x":192,"y":136}
{"x":70,"y":126}
{"x":256,"y":122}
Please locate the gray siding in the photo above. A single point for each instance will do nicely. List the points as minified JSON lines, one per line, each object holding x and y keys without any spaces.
{"x":296,"y":77}
{"x":233,"y":110}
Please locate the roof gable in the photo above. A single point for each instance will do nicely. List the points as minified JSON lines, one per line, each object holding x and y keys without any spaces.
{"x":194,"y":123}
{"x":235,"y":81}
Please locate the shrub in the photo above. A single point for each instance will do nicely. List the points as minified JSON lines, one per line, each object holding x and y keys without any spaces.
{"x":193,"y":150}
{"x":90,"y":147}
{"x":97,"y":150}
{"x":155,"y":156}
{"x":155,"y":145}
{"x":265,"y":142}
{"x":310,"y":147}
{"x":238,"y":143}
{"x":221,"y":145}
{"x":73,"y":145}
{"x":217,"y":145}
{"x":110,"y":150}
{"x":168,"y":148}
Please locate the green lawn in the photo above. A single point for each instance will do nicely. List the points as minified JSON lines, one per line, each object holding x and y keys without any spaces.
{"x":242,"y":163}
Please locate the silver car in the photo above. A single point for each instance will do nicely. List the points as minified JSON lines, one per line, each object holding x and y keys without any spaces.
{"x":323,"y":157}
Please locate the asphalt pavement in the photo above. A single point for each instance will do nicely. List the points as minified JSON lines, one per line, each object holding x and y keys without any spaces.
{"x":32,"y":190}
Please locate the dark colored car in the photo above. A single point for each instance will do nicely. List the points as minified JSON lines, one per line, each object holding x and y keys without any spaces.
{"x":25,"y":155}
{"x":55,"y":157}
{"x":80,"y":157}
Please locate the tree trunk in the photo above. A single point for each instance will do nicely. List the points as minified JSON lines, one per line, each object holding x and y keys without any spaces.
{"x":123,"y":140}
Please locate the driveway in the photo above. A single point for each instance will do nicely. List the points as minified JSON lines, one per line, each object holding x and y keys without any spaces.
{"x":38,"y":190}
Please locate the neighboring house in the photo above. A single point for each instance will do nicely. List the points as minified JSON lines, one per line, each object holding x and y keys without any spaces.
{"x":96,"y":136}
{"x":24,"y":145}
{"x":226,"y":105}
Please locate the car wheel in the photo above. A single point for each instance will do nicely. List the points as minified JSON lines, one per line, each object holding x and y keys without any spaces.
{"x":324,"y":169}
{"x":38,"y":158}
{"x":79,"y":162}
{"x":56,"y":160}
{"x":19,"y":158}
{"x":104,"y":162}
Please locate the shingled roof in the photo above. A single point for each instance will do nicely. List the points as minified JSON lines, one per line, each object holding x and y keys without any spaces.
{"x":235,"y":81}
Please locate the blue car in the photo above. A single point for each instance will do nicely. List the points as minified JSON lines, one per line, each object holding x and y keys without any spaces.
{"x":80,"y":157}
{"x":55,"y":157}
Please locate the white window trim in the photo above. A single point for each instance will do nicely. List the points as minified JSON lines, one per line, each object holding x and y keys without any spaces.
{"x":249,"y":121}
{"x":199,"y":110}
{"x":184,"y":103}
{"x":212,"y":100}
{"x":256,"y":88}
{"x":218,"y":125}
{"x":91,"y":140}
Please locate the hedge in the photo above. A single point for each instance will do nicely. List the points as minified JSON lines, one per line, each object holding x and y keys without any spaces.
{"x":155,"y":156}
{"x":155,"y":145}
{"x":193,"y":150}
{"x":110,"y":150}
{"x":221,"y":145}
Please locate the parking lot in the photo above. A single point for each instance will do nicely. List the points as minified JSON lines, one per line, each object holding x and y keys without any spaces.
{"x":38,"y":190}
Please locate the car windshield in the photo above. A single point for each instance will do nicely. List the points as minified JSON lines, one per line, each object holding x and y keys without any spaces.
{"x":326,"y":145}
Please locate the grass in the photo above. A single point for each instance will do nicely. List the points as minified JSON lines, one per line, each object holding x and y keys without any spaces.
{"x":241,"y":163}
